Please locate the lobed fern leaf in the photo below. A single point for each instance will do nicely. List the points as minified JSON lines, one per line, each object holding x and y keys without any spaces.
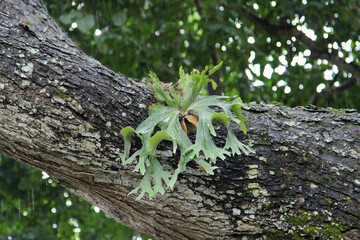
{"x":174,"y":104}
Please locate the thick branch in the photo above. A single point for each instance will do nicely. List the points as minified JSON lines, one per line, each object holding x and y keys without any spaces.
{"x":61,"y":111}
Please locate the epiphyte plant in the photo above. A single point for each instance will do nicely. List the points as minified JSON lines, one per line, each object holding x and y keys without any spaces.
{"x":177,"y":104}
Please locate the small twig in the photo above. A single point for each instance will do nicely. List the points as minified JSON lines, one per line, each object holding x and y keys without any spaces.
{"x":348,"y":84}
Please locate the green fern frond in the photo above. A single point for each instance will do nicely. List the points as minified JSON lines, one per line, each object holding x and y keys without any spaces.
{"x":174,"y":104}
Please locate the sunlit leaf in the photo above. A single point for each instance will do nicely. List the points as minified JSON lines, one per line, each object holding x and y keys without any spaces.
{"x":214,"y":69}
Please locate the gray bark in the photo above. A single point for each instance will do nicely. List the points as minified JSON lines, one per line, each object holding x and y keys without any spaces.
{"x":61,"y":111}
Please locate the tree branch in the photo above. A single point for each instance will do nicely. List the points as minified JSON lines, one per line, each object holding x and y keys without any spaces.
{"x":198,"y":7}
{"x":61,"y":111}
{"x":317,"y":51}
{"x":326,"y":92}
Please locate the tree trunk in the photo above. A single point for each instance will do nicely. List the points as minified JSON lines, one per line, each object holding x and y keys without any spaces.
{"x":61,"y":111}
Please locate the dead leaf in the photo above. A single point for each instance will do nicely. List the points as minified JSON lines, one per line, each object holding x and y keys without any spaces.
{"x":192,"y":119}
{"x":183,"y":125}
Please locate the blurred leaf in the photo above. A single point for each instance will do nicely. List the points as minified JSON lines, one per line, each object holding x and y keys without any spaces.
{"x":86,"y":23}
{"x":69,"y":17}
{"x":119,"y":18}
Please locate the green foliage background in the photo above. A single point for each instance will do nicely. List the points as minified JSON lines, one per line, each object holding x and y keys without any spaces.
{"x":27,"y":203}
{"x":142,"y":35}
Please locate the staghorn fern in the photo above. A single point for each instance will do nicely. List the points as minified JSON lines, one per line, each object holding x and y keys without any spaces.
{"x":175,"y":104}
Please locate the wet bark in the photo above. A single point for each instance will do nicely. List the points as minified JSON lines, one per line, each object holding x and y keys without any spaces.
{"x":61,"y":111}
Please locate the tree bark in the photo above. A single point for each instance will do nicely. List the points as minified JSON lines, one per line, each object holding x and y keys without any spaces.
{"x":61,"y":111}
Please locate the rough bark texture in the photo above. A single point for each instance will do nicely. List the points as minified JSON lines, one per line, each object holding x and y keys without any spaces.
{"x":61,"y":111}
